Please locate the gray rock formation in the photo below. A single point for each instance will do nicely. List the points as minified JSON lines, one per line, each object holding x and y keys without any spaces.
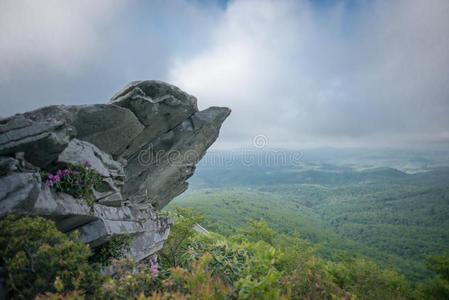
{"x":145,"y":144}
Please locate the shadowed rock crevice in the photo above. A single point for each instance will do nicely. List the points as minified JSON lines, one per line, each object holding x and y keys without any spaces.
{"x":145,"y":144}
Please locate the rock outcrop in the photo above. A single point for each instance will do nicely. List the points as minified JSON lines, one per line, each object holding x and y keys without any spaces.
{"x":144,"y":144}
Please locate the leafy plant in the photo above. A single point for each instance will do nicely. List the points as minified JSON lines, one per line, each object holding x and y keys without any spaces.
{"x":438,"y":287}
{"x":75,"y":180}
{"x":259,"y":230}
{"x":144,"y":282}
{"x":367,"y":280}
{"x":226,"y":263}
{"x":130,"y":280}
{"x":439,"y":264}
{"x":181,"y":233}
{"x":196,"y":283}
{"x":34,"y":253}
{"x":112,"y":249}
{"x":42,"y":261}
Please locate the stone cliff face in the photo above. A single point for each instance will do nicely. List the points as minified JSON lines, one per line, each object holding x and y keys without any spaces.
{"x":144,"y":143}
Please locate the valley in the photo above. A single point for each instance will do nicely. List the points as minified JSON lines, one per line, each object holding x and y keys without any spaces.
{"x":387,"y":215}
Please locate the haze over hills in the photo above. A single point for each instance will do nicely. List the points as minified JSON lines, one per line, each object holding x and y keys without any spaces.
{"x":390,"y":206}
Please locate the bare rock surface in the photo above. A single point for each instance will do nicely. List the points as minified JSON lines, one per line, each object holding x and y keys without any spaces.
{"x":145,"y":144}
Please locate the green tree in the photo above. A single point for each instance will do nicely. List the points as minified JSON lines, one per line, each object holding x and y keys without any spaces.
{"x":440,"y":265}
{"x":259,"y":230}
{"x":115,"y":248}
{"x":438,"y":287}
{"x":367,"y":280}
{"x":181,"y":233}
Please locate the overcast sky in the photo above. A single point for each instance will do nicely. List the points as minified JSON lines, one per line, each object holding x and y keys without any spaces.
{"x":300,"y":73}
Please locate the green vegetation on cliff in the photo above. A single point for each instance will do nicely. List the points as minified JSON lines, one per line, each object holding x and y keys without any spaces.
{"x":256,"y":263}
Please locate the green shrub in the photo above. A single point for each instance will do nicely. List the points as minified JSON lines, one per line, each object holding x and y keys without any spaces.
{"x":112,"y":249}
{"x":226,"y":263}
{"x":439,"y":264}
{"x":310,"y":281}
{"x":130,"y":280}
{"x":181,"y":233}
{"x":34,"y":253}
{"x":438,"y":287}
{"x":259,"y":230}
{"x":43,"y":261}
{"x":258,"y":270}
{"x":75,"y":180}
{"x":367,"y":280}
{"x":198,"y":282}
{"x":142,"y":282}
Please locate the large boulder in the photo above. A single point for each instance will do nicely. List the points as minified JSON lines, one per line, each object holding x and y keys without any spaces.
{"x":171,"y":158}
{"x":144,"y":144}
{"x":158,"y":106}
{"x":22,"y":133}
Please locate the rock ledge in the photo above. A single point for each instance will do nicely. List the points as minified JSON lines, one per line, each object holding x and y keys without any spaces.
{"x":144,"y":143}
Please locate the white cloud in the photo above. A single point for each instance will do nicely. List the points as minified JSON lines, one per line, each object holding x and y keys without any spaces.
{"x":60,"y":33}
{"x":376,"y":73}
{"x":75,"y":52}
{"x":342,"y":73}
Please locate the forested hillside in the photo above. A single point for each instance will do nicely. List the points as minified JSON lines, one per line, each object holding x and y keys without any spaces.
{"x":390,"y":216}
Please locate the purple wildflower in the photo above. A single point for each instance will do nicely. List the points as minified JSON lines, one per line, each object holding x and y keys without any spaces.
{"x":57,"y":178}
{"x":65,"y":172}
{"x":75,"y":172}
{"x":59,"y":173}
{"x":87,"y":168}
{"x":154,"y":270}
{"x":49,"y":183}
{"x":88,"y":163}
{"x":50,"y":176}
